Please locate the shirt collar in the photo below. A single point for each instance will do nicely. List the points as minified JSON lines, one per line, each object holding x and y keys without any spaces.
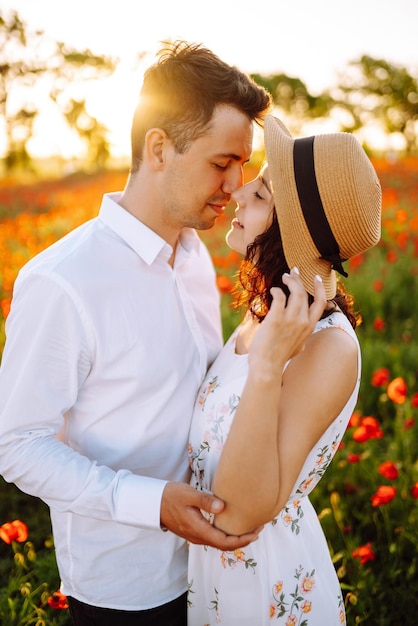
{"x":146,"y":243}
{"x":189,"y":240}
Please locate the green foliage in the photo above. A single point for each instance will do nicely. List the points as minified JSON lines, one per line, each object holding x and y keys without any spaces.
{"x":28,"y":571}
{"x":26,"y":57}
{"x":382,"y":591}
{"x":376,"y":90}
{"x":293,"y":100}
{"x":371,"y":90}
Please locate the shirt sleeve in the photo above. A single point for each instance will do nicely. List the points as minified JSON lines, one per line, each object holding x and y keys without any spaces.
{"x":47,"y":357}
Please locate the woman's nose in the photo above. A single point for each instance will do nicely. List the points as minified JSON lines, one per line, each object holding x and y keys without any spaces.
{"x":238,"y":195}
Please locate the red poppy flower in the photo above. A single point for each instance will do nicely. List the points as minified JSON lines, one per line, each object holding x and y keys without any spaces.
{"x":224,"y":283}
{"x":379,"y":324}
{"x":408,"y":423}
{"x":414,"y":491}
{"x":402,"y":239}
{"x":233,"y":258}
{"x":383,"y":495}
{"x":360,"y":434}
{"x":14,"y":531}
{"x":58,"y":600}
{"x":414,"y":400}
{"x":378,"y":285}
{"x":369,"y":428}
{"x":397,"y":390}
{"x":373,"y":426}
{"x":364,"y":553}
{"x":354,"y":419}
{"x":353,"y":458}
{"x":401,"y":216}
{"x":355,"y":262}
{"x":380,"y":377}
{"x":5,"y":306}
{"x":388,"y":470}
{"x":391,"y":256}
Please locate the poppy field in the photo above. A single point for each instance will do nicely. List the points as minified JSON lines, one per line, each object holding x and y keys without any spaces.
{"x":368,"y":499}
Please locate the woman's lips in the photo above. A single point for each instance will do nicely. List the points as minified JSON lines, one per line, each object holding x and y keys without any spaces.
{"x":236,"y":223}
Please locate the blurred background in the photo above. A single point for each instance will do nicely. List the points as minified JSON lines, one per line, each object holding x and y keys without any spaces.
{"x":70,"y":73}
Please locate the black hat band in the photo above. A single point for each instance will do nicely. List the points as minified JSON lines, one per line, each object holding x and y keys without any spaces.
{"x":311,"y":204}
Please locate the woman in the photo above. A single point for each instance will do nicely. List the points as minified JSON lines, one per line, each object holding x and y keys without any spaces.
{"x":274,"y":406}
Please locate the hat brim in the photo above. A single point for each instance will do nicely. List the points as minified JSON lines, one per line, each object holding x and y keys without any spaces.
{"x":298,"y":247}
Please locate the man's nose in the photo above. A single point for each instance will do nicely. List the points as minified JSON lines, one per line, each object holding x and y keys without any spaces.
{"x":233,"y":179}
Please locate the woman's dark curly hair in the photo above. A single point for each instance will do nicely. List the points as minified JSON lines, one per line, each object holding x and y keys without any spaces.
{"x":263,"y":267}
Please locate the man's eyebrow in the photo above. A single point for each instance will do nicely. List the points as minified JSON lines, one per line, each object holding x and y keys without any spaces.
{"x":227,"y":155}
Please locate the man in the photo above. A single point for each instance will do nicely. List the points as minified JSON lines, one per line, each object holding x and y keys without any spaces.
{"x":110,"y":333}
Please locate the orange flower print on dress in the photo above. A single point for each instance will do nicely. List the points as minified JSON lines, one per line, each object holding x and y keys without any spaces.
{"x":308,"y":584}
{"x":306,"y":484}
{"x":287,"y":518}
{"x":278,"y":587}
{"x":294,"y":605}
{"x":323,"y":459}
{"x":224,"y":560}
{"x":240,"y":555}
{"x":232,"y":559}
{"x":306,"y":606}
{"x":210,"y":388}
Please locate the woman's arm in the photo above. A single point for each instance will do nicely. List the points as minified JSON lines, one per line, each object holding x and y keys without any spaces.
{"x":281,"y":416}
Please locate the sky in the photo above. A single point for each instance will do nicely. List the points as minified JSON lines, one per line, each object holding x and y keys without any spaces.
{"x":311,"y":40}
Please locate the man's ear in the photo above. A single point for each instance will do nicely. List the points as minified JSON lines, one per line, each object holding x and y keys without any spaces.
{"x":156,"y":144}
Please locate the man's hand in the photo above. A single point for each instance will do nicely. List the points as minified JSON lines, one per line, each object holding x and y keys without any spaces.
{"x":181,"y":507}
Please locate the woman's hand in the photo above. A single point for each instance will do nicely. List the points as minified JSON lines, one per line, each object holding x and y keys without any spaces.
{"x":286,"y":327}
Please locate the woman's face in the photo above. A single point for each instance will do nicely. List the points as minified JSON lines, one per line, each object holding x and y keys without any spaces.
{"x":253,"y":214}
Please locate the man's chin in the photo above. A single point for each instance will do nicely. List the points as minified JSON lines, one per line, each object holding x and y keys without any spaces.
{"x":206,"y":224}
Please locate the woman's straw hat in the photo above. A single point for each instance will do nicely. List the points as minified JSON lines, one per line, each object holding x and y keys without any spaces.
{"x":327,"y":198}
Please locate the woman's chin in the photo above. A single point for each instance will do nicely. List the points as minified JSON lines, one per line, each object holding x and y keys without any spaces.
{"x":232,"y":242}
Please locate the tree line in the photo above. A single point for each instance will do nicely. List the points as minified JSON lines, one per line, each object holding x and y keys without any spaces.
{"x":370,"y":91}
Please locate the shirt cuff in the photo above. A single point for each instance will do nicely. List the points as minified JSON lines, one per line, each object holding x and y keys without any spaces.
{"x":139,"y":501}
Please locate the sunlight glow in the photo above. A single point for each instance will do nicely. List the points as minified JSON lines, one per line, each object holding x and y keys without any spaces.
{"x":306,"y":40}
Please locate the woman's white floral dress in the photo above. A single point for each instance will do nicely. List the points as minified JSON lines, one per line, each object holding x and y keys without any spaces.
{"x":286,"y":577}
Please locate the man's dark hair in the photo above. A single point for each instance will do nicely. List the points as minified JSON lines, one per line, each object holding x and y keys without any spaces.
{"x":181,"y":90}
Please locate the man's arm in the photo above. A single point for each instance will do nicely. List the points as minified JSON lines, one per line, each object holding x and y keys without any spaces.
{"x":46,"y":359}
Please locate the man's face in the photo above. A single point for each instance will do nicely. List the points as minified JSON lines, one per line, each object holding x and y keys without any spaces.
{"x":197,"y":185}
